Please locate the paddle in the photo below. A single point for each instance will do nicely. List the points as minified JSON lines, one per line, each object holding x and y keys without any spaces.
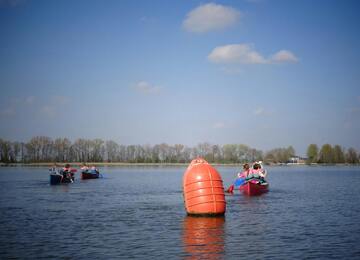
{"x":238,"y":182}
{"x":230,"y":189}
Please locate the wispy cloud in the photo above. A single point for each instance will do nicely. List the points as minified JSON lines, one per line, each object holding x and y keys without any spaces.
{"x":16,"y":105}
{"x":19,"y":101}
{"x":145,"y":87}
{"x":31,"y":105}
{"x":7,"y":112}
{"x":48,"y":111}
{"x":147,"y":20}
{"x":51,"y":110}
{"x":219,"y":125}
{"x":246,"y":54}
{"x":210,"y":17}
{"x":284,"y":56}
{"x":236,"y":53}
{"x":260,"y":111}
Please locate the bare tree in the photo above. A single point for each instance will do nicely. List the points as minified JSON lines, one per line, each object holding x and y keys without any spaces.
{"x":112,"y":149}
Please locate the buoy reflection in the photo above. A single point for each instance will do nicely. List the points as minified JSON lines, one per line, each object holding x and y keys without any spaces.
{"x":203,"y":237}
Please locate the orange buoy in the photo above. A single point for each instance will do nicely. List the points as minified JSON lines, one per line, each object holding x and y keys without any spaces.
{"x":203,"y":189}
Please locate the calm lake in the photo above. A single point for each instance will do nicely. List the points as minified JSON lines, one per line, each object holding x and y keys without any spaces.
{"x":138,"y":212}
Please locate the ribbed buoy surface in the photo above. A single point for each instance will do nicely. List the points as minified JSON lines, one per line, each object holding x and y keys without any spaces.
{"x":203,"y":189}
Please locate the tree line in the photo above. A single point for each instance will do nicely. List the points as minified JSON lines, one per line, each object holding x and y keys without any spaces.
{"x":45,"y":149}
{"x":329,"y":154}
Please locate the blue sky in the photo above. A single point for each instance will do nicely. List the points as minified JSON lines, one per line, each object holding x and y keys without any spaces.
{"x":263,"y":73}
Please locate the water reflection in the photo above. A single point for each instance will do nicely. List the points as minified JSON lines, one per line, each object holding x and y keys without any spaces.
{"x":203,"y":237}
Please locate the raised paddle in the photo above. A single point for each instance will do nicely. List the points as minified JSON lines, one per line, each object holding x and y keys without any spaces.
{"x":238,"y":182}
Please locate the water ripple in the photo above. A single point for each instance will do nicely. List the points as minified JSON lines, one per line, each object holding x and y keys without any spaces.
{"x":139,"y":213}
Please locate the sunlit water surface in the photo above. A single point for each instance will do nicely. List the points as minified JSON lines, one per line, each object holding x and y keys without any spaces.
{"x":138,"y":212}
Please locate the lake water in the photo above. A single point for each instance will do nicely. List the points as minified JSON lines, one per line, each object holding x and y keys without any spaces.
{"x":138,"y":212}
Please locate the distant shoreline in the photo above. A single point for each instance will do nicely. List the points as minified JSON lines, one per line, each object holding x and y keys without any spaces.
{"x":119,"y":164}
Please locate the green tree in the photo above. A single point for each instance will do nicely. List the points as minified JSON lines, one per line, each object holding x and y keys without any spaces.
{"x":339,"y":156}
{"x":352,"y":156}
{"x":5,"y":151}
{"x":326,"y":154}
{"x":312,"y":153}
{"x":279,"y":155}
{"x":229,"y":151}
{"x":290,"y":152}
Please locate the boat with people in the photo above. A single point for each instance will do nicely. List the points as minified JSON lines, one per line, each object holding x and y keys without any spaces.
{"x":90,"y":174}
{"x":254,"y":185}
{"x":251,"y":181}
{"x":65,"y":175}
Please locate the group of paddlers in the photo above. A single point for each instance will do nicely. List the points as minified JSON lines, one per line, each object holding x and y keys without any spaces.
{"x":254,"y":172}
{"x":86,"y":168}
{"x":67,"y":172}
{"x":257,"y":169}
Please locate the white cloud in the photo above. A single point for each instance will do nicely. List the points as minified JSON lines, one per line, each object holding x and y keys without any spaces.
{"x":209,"y":17}
{"x":51,"y":109}
{"x":260,"y":111}
{"x":147,"y":20}
{"x":236,"y":53}
{"x":219,"y":125}
{"x":246,"y":54}
{"x":284,"y":56}
{"x":145,"y":87}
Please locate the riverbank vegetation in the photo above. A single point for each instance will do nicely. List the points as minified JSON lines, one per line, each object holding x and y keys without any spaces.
{"x":329,"y":154}
{"x":43,"y":149}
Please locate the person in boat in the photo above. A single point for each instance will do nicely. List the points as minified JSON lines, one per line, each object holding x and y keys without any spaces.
{"x":246,"y":171}
{"x":257,"y":173}
{"x":241,"y":177}
{"x":94,"y":169}
{"x":67,"y":168}
{"x":53,"y":168}
{"x":67,"y":171}
{"x":259,"y":170}
{"x":84,"y":167}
